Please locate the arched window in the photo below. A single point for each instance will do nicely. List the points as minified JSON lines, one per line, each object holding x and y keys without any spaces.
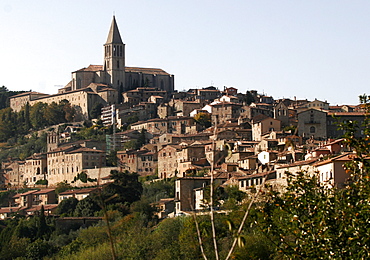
{"x":312,"y":129}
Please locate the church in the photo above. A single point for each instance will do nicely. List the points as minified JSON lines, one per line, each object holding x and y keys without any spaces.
{"x":101,"y":83}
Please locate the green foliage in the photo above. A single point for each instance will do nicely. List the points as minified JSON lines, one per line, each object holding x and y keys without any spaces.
{"x":125,"y":188}
{"x":42,"y":182}
{"x":5,"y":94}
{"x":249,"y":98}
{"x":145,"y":211}
{"x":130,"y":145}
{"x":87,"y":207}
{"x":17,"y":247}
{"x":96,"y":110}
{"x":38,"y":249}
{"x":112,"y":158}
{"x":132,"y":119}
{"x":82,"y":176}
{"x":95,"y":132}
{"x":156,"y":190}
{"x":5,"y":196}
{"x":40,"y":115}
{"x":311,"y":221}
{"x":62,"y":186}
{"x":204,"y":119}
{"x":290,"y":128}
{"x":66,"y":207}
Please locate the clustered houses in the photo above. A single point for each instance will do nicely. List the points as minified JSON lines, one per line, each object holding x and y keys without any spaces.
{"x":251,"y":135}
{"x":31,"y":202}
{"x":248,"y":142}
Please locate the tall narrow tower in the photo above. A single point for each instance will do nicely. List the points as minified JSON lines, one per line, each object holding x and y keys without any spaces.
{"x":114,"y":58}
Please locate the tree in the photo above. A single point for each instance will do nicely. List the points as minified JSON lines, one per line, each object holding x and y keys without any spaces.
{"x":204,"y":119}
{"x":249,"y":99}
{"x":67,"y":206}
{"x":42,"y":227}
{"x":312,"y":221}
{"x":62,"y":186}
{"x":96,"y":110}
{"x":142,"y":138}
{"x":38,"y":249}
{"x":112,"y":158}
{"x":37,"y":117}
{"x":125,"y":187}
{"x":69,"y":111}
{"x":87,"y":207}
{"x":54,"y":114}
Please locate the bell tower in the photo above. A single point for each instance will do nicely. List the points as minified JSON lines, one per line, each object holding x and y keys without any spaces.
{"x":114,"y":59}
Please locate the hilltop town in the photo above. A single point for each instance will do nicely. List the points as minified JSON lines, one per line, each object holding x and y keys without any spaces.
{"x":110,"y":166}
{"x":239,"y":138}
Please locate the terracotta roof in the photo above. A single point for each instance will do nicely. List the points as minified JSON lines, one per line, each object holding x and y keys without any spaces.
{"x":259,"y":118}
{"x":9,"y":209}
{"x":343,"y":157}
{"x":164,"y":119}
{"x":44,"y":191}
{"x":298,"y":163}
{"x":38,"y":207}
{"x":85,"y":149}
{"x":335,"y":141}
{"x":27,"y":193}
{"x":146,"y":70}
{"x":223,"y":103}
{"x":28,"y":93}
{"x":255,"y":175}
{"x":347,"y":113}
{"x":79,"y":191}
{"x":92,"y":68}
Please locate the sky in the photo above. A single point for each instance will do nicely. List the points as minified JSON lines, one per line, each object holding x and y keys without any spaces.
{"x":285,"y":49}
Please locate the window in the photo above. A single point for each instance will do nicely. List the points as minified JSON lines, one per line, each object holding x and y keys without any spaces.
{"x":312,"y":129}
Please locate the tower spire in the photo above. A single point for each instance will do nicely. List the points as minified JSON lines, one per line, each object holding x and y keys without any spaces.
{"x":114,"y":59}
{"x":114,"y":36}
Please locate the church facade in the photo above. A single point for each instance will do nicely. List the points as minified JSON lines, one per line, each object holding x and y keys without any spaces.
{"x":101,"y":83}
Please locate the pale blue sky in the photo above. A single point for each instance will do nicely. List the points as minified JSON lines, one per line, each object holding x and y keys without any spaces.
{"x":308,"y":49}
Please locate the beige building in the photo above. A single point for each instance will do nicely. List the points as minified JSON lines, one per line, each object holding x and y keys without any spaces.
{"x":79,"y":194}
{"x":35,"y":168}
{"x":312,"y":123}
{"x":64,"y":163}
{"x":143,"y":162}
{"x":188,"y":191}
{"x":135,"y":96}
{"x":331,"y":172}
{"x":167,"y":161}
{"x":18,"y":101}
{"x":44,"y":197}
{"x":187,"y":155}
{"x":101,"y":83}
{"x":262,"y":125}
{"x":13,"y":173}
{"x":176,"y":125}
{"x":222,"y":112}
{"x":185,"y":107}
